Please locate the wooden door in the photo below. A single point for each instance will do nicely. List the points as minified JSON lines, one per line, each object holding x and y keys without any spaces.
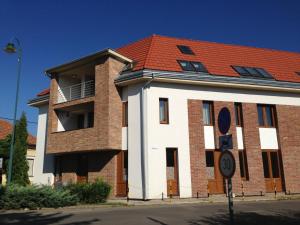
{"x":272,"y":173}
{"x":122,"y":173}
{"x":216,"y":180}
{"x":82,"y":169}
{"x":172,"y":172}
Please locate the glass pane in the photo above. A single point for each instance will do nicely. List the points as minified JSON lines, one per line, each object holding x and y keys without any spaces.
{"x":162,"y":110}
{"x":274,"y":161}
{"x":206,"y":113}
{"x":185,"y":65}
{"x":242,"y":164}
{"x":265,"y":164}
{"x":170,"y":164}
{"x":199,"y":67}
{"x":269,"y":116}
{"x":238,"y":114}
{"x":209,"y":159}
{"x":264,"y":73}
{"x":30,"y":165}
{"x":252,"y":71}
{"x":260,"y":115}
{"x":240,"y":70}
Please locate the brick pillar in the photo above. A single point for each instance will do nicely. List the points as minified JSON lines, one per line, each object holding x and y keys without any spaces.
{"x":236,"y":180}
{"x":197,"y":151}
{"x":289,"y":142}
{"x":256,"y":182}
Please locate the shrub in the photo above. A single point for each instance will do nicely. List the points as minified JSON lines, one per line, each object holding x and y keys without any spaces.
{"x":34,"y":197}
{"x":96,"y":192}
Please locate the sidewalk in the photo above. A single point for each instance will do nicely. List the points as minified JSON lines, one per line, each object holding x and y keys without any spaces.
{"x":211,"y":199}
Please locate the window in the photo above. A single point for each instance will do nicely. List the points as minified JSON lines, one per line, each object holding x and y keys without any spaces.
{"x":91,"y":119}
{"x":125,"y":114}
{"x":243,"y":165}
{"x":266,"y":115}
{"x":266,"y":164}
{"x":275,"y":164}
{"x":298,"y":73}
{"x":207,"y":113}
{"x":185,"y":49}
{"x":209,"y":155}
{"x":30,"y":165}
{"x":186,"y":65}
{"x":163,"y":111}
{"x":252,"y":72}
{"x":198,"y":66}
{"x":192,"y":66}
{"x":238,"y":114}
{"x":80,"y":121}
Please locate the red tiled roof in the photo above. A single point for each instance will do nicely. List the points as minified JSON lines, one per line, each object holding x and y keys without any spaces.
{"x":161,"y":53}
{"x":44,"y":92}
{"x":6,"y":129}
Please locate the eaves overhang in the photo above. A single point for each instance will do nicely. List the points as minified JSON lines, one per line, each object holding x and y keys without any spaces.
{"x":36,"y":102}
{"x":88,"y":59}
{"x":207,"y":79}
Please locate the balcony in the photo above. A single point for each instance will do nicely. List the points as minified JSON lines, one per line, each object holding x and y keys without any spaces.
{"x":76,"y":91}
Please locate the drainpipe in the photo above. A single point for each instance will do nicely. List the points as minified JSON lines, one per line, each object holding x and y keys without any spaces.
{"x":143,"y":166}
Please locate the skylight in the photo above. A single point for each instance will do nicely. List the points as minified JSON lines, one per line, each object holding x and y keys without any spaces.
{"x":192,"y":66}
{"x":252,"y":72}
{"x":185,"y":49}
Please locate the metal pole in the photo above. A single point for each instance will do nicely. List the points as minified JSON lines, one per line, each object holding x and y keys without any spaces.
{"x":15,"y":114}
{"x":230,"y":200}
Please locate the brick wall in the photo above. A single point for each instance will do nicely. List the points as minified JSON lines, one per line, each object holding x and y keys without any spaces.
{"x":100,"y":165}
{"x":197,"y":150}
{"x":256,"y":183}
{"x":218,"y":105}
{"x":289,"y":142}
{"x":106,"y":133}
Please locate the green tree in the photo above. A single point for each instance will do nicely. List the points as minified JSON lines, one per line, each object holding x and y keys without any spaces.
{"x":20,"y":165}
{"x":4,"y":151}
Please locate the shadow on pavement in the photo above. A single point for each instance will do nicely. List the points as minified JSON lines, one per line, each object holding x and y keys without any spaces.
{"x":250,"y":218}
{"x":39,"y":218}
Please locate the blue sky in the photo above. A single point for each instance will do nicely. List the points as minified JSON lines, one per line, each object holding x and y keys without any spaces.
{"x":53,"y":32}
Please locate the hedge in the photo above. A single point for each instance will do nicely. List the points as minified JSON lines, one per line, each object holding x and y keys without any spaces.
{"x":34,"y":197}
{"x":90,"y":193}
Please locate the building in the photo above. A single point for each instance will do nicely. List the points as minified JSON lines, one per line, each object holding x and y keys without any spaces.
{"x":5,"y":130}
{"x":143,"y":118}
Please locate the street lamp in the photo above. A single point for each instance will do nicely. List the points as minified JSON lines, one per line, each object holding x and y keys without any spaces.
{"x":11,"y":48}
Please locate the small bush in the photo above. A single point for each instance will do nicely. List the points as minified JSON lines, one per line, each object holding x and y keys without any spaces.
{"x":34,"y":197}
{"x":90,"y":193}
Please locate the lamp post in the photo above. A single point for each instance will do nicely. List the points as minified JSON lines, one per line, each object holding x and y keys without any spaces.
{"x":11,"y":48}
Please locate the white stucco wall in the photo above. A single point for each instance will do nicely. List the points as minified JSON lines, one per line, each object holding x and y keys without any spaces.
{"x":176,"y":134}
{"x":134,"y":142}
{"x":43,"y":164}
{"x":268,"y":138}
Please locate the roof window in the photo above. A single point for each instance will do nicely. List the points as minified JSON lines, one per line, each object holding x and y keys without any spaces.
{"x":252,"y":72}
{"x":192,"y":66}
{"x":185,"y":49}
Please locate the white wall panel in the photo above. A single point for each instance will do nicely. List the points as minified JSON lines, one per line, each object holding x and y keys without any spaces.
{"x":240,"y":141}
{"x":268,"y":138}
{"x":209,"y":137}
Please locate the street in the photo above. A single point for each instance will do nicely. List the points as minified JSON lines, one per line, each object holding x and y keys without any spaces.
{"x":271,"y":212}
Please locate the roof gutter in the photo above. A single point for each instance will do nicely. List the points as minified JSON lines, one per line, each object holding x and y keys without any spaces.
{"x":206,"y":79}
{"x":143,"y":103}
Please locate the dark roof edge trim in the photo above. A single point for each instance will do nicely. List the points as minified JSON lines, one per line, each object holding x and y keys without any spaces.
{"x":206,"y":77}
{"x":91,"y":57}
{"x":38,"y":101}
